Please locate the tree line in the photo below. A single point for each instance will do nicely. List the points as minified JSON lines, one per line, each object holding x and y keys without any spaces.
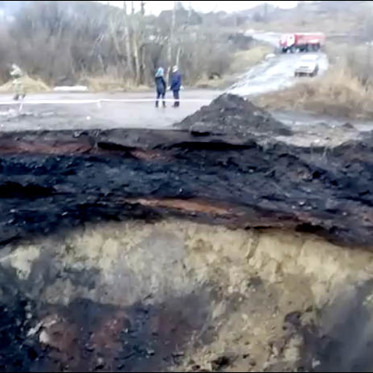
{"x":64,"y":42}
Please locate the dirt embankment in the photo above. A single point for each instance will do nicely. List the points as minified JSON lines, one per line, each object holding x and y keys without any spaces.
{"x":144,"y":250}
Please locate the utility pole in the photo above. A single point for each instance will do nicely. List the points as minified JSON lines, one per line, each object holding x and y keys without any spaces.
{"x":143,"y":8}
{"x":189,"y":12}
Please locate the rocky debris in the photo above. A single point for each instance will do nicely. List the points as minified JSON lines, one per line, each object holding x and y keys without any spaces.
{"x":220,"y":363}
{"x":230,"y":114}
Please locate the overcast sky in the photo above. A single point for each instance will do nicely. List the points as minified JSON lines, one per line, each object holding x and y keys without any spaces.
{"x":156,"y":7}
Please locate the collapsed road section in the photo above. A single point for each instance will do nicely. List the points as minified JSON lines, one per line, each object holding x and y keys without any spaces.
{"x":225,"y":164}
{"x":223,"y":243}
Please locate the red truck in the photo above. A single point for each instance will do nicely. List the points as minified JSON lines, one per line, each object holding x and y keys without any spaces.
{"x":302,"y":42}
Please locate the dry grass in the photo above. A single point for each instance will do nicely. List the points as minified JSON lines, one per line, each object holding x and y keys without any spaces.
{"x":338,"y":93}
{"x":30,"y":85}
{"x":108,"y":83}
{"x":242,"y":62}
{"x":211,"y":83}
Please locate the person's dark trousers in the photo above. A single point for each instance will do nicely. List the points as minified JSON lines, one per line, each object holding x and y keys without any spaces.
{"x":176,"y":98}
{"x":160,"y":95}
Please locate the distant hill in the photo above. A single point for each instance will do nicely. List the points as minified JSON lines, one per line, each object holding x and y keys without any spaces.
{"x":331,"y":17}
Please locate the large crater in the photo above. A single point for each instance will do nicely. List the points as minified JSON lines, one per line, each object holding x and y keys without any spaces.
{"x":176,"y":295}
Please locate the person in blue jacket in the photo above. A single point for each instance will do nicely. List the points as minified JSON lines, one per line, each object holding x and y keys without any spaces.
{"x":175,"y":85}
{"x":160,"y":85}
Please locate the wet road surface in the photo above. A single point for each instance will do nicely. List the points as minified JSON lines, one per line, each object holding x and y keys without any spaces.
{"x":106,"y":115}
{"x":129,"y":114}
{"x":272,"y":75}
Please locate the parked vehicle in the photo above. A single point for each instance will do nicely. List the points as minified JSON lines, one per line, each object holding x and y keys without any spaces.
{"x":302,"y":42}
{"x":307,"y":66}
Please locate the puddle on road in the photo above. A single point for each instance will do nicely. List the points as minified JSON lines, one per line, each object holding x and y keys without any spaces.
{"x":181,"y":296}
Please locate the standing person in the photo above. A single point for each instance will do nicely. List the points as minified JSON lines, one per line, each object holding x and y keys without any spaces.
{"x":175,"y":85}
{"x":160,"y":85}
{"x":17,"y":74}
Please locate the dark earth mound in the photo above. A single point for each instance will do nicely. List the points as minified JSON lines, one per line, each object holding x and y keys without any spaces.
{"x":233,"y":114}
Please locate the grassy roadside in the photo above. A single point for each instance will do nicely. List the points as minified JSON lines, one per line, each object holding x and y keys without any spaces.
{"x":242,"y":61}
{"x":107,"y":83}
{"x":30,"y":86}
{"x":338,"y":93}
{"x":345,"y":90}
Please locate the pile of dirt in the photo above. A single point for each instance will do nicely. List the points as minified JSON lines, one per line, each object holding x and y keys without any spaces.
{"x":30,"y":85}
{"x":234,"y":115}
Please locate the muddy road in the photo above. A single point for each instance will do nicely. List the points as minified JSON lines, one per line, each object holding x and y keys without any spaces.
{"x":131,"y":114}
{"x":272,"y":75}
{"x":81,"y":110}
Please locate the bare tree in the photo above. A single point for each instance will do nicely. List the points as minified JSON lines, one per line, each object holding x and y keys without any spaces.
{"x":127,"y":36}
{"x":142,"y":5}
{"x":171,"y":40}
{"x":265,"y":12}
{"x":189,"y":12}
{"x":138,"y":43}
{"x":97,"y":40}
{"x":135,"y":49}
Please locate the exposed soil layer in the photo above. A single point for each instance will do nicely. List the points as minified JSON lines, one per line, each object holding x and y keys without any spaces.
{"x":248,"y":176}
{"x":181,"y":296}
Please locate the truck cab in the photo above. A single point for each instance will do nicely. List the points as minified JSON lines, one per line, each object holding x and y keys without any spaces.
{"x":287,"y":42}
